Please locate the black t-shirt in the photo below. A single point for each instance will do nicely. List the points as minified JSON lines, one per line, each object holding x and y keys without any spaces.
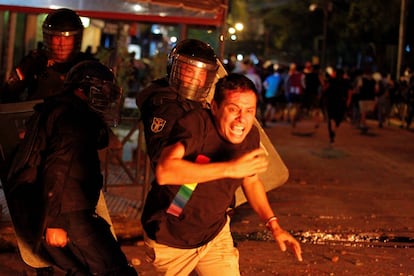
{"x":312,"y":83}
{"x":367,"y":90}
{"x":204,"y":215}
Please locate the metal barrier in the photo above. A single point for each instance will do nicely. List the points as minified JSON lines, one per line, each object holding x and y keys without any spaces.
{"x":138,"y":171}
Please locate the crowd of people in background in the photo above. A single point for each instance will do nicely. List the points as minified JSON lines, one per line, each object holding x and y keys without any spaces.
{"x":332,"y":94}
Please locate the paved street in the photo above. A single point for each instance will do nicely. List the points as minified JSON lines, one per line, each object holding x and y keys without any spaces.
{"x":351,"y":205}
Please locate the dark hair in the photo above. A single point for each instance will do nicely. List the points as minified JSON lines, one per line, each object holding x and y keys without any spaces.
{"x":232,"y":81}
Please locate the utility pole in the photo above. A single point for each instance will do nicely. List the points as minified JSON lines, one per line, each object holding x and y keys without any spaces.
{"x":401,"y":38}
{"x":324,"y":35}
{"x":223,"y":31}
{"x":326,"y":7}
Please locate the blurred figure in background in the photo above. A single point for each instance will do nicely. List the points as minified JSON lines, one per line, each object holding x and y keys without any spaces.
{"x":249,"y":70}
{"x":336,"y":99}
{"x":367,"y":89}
{"x":410,"y":103}
{"x":272,"y":89}
{"x":385,"y":84}
{"x":294,"y":86}
{"x":312,"y":92}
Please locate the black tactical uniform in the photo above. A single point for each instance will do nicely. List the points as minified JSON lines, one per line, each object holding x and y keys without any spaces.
{"x":161,"y":106}
{"x":58,"y":185}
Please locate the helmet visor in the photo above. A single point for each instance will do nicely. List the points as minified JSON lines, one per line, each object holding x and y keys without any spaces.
{"x":192,"y":78}
{"x":105,"y":99}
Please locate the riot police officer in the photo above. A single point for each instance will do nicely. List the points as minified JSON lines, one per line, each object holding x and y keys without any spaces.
{"x":191,"y":72}
{"x":56,"y":213}
{"x":41,"y":73}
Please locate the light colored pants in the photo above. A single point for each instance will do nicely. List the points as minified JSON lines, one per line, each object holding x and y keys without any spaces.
{"x":218,"y":257}
{"x":366,"y":106}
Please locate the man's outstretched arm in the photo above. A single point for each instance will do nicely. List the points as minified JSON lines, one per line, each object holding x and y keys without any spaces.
{"x":256,"y":195}
{"x":172,"y":169}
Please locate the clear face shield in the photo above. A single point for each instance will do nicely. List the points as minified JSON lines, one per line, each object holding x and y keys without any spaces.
{"x":192,"y":78}
{"x":221,"y":72}
{"x":105,"y":99}
{"x":62,"y":46}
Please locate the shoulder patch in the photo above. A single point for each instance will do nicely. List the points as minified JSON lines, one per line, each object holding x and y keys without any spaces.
{"x":157,"y":124}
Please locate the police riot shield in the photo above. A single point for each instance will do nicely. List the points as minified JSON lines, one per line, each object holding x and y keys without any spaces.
{"x":13,"y":117}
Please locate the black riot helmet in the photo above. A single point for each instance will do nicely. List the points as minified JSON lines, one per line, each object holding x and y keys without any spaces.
{"x":98,"y":84}
{"x":62,"y":34}
{"x":192,"y":67}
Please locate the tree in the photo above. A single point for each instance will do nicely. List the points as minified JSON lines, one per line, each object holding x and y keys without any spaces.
{"x":355,"y":28}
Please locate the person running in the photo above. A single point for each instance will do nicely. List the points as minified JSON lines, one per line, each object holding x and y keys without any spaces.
{"x":214,"y":151}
